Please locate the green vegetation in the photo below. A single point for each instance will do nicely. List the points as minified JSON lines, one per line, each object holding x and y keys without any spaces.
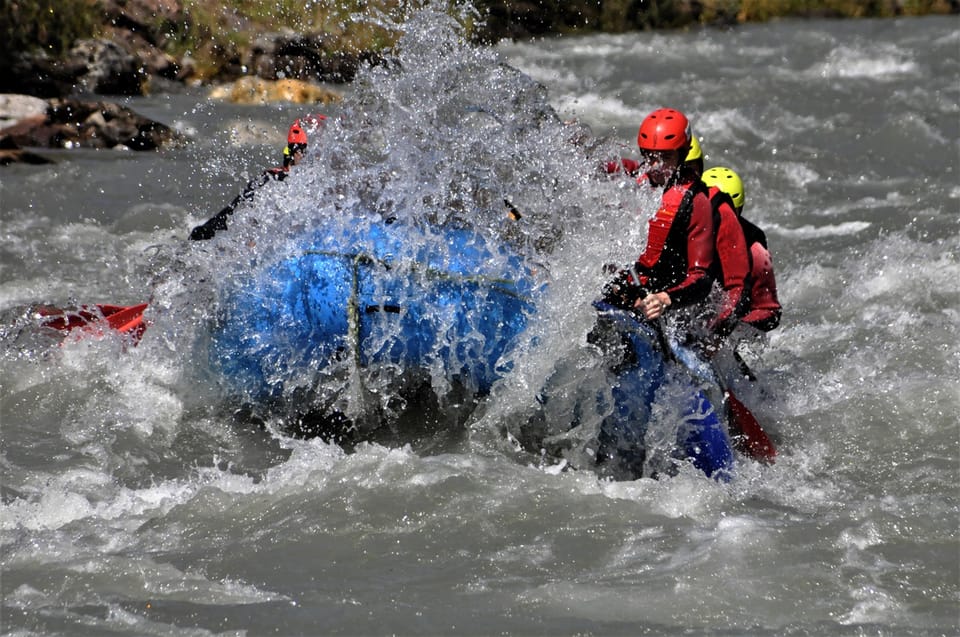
{"x":216,"y":32}
{"x":49,"y":25}
{"x":762,"y":10}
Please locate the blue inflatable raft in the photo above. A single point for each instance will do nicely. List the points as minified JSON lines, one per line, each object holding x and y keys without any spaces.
{"x":642,"y":372}
{"x":377,"y":295}
{"x":447,"y":306}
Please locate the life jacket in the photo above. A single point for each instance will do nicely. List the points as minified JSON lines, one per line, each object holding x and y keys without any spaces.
{"x":753,"y":234}
{"x":759,"y":305}
{"x":664,"y":260}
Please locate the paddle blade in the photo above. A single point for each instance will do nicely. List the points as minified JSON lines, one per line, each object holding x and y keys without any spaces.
{"x":64,"y":320}
{"x":128,"y":320}
{"x":749,"y":437}
{"x":91,"y":319}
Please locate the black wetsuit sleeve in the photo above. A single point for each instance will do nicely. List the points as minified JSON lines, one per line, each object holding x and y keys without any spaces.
{"x":208,"y":229}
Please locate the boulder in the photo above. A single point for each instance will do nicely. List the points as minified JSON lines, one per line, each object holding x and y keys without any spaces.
{"x":110,"y":68}
{"x":15,"y":107}
{"x":95,"y":66}
{"x":37,"y":73}
{"x":152,"y":19}
{"x":255,"y":90}
{"x":130,"y":51}
{"x":295,"y":55}
{"x":144,"y":27}
{"x":69,"y":123}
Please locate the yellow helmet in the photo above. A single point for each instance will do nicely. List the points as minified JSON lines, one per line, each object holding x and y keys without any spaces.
{"x":695,"y":152}
{"x":727,"y":181}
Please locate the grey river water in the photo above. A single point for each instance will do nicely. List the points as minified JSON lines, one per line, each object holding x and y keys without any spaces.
{"x":134,"y":502}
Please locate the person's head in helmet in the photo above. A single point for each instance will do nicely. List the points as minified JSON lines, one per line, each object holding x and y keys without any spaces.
{"x":664,"y":141}
{"x":727,"y":182}
{"x":694,"y":160}
{"x":296,"y":145}
{"x":297,"y":137}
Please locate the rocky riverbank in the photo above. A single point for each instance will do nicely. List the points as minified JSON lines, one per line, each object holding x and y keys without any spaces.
{"x":260,"y":51}
{"x":58,"y":53}
{"x":76,"y":123}
{"x":56,"y":48}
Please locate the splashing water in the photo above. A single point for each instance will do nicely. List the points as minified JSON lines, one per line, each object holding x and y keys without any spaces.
{"x":134,"y":500}
{"x":442,"y":136}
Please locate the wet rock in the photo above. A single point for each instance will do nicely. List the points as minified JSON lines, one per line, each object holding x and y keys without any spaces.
{"x":296,"y":55}
{"x":144,"y":27}
{"x":10,"y":153}
{"x":255,"y":90}
{"x":69,"y":123}
{"x":36,"y":73}
{"x":121,"y":62}
{"x":94,"y":66}
{"x":109,"y":68}
{"x":14,"y":107}
{"x":133,"y":55}
{"x":154,"y":20}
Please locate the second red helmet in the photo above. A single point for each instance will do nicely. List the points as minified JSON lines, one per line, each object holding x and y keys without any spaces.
{"x":664,"y":129}
{"x":297,"y":135}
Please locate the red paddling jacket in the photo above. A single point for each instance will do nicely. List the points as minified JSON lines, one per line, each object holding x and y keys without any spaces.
{"x":679,"y":254}
{"x":765,"y":310}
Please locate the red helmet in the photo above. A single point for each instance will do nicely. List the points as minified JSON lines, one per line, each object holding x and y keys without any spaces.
{"x":664,"y":129}
{"x":297,"y":135}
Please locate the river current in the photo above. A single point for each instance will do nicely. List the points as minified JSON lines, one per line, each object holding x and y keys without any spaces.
{"x":136,"y":502}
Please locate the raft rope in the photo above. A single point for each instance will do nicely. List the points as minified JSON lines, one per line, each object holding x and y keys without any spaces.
{"x":430,"y":273}
{"x":359,"y":259}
